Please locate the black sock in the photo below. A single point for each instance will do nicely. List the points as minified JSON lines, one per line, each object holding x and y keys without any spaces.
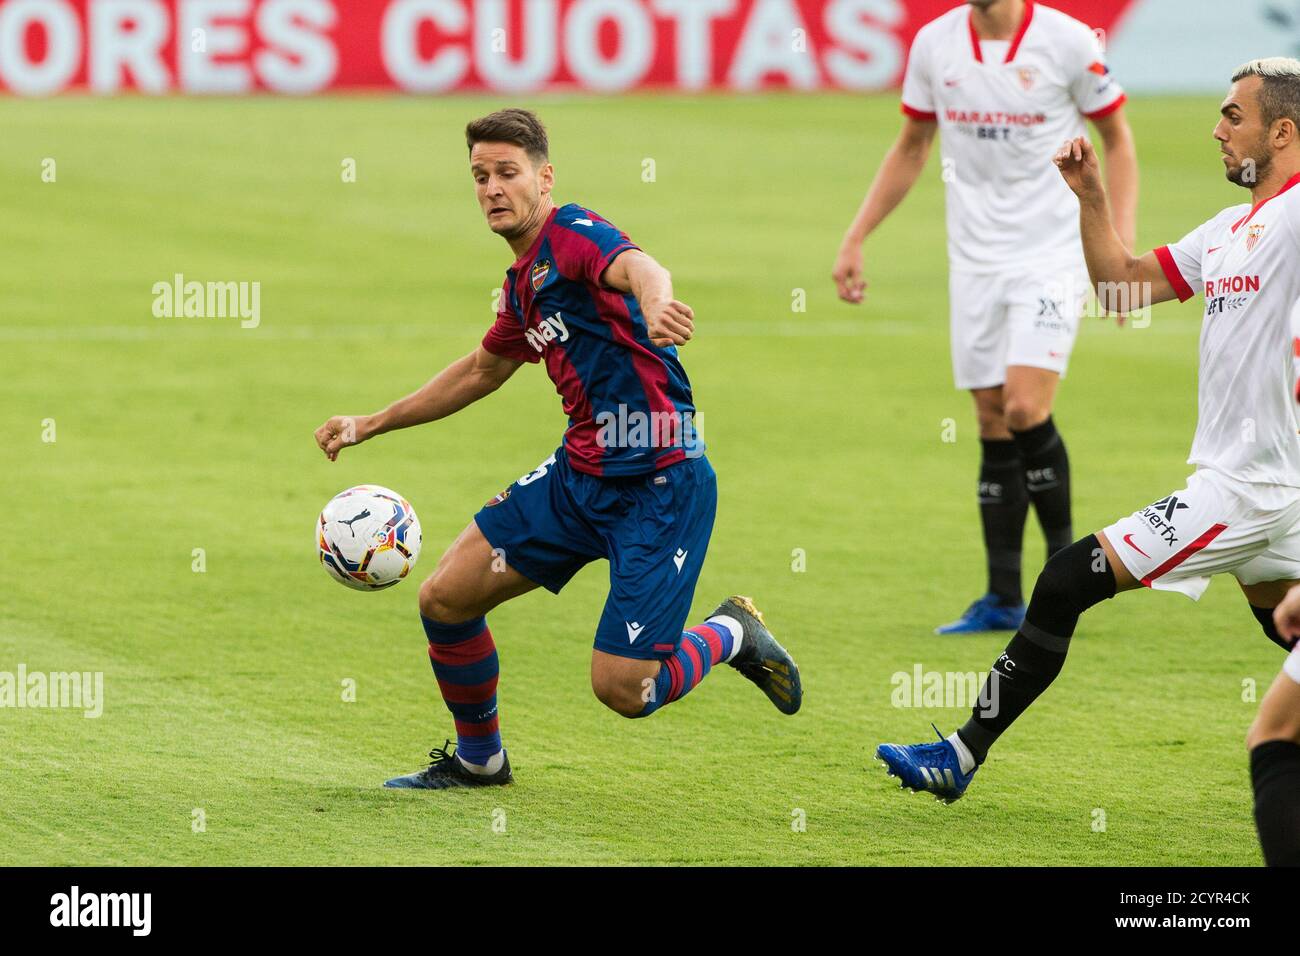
{"x":1047,"y":475}
{"x":1004,"y":503}
{"x":1275,"y":774}
{"x":1073,"y":580}
{"x":1265,"y":617}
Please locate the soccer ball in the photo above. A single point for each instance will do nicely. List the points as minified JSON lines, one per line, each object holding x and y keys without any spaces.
{"x":368,"y":537}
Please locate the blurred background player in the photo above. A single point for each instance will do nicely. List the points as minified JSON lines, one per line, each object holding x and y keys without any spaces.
{"x":1274,"y":744}
{"x":1240,"y":511}
{"x":1006,"y":81}
{"x":629,"y":484}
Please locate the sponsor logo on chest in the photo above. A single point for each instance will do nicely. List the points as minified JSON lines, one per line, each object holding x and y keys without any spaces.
{"x":549,"y":329}
{"x":1230,"y":293}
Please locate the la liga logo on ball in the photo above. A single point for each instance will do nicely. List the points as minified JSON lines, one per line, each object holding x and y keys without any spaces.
{"x":368,"y":537}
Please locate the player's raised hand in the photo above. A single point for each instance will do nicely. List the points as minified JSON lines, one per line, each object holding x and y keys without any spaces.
{"x":849,"y":281}
{"x":336,"y":434}
{"x":1286,"y":616}
{"x":1079,"y":167}
{"x":669,"y":323}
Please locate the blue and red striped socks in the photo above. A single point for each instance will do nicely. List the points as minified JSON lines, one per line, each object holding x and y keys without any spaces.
{"x":701,"y":647}
{"x":464,"y":660}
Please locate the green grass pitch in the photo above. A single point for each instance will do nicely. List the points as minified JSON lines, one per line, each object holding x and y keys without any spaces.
{"x":224,"y":689}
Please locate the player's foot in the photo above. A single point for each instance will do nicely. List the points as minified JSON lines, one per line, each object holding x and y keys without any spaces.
{"x":986,"y":614}
{"x":933,"y":768}
{"x":761,"y":658}
{"x":448,"y":771}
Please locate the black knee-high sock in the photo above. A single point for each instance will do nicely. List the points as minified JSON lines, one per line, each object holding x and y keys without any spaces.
{"x":1265,"y":617}
{"x":1275,"y":774}
{"x":1004,"y":503}
{"x":1047,"y":476}
{"x":1074,"y":579}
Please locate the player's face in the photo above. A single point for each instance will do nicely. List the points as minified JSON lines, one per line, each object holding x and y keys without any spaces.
{"x":509,"y":186}
{"x":982,"y":4}
{"x":1242,"y":135}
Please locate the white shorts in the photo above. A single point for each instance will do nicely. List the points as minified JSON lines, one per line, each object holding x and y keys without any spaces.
{"x":1002,"y":319}
{"x":1215,"y":525}
{"x":1292,"y":664}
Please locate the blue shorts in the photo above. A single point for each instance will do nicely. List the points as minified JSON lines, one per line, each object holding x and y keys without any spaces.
{"x":654,"y":530}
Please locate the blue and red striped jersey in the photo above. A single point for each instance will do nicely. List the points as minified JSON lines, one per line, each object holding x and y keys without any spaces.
{"x":629,"y":402}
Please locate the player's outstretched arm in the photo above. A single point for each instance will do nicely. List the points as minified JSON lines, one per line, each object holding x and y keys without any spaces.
{"x":1120,"y":151}
{"x":1122,"y":281}
{"x":668,"y":321}
{"x":898,"y":172}
{"x":461,"y":383}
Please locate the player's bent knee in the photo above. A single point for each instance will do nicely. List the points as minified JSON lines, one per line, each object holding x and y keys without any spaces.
{"x":1280,"y":727}
{"x":1075,"y":578}
{"x":618,"y":695}
{"x":437,"y":604}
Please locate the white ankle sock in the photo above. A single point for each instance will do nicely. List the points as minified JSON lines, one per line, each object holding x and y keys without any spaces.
{"x":964,"y":757}
{"x":487,"y":769}
{"x":737,"y":632}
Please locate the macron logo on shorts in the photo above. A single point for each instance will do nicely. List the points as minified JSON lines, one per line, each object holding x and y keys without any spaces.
{"x":634,"y":631}
{"x":679,"y":559}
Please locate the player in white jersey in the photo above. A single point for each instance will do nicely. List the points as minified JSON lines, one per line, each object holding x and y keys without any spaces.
{"x":1274,"y":744}
{"x":1240,"y":511}
{"x":1006,"y":81}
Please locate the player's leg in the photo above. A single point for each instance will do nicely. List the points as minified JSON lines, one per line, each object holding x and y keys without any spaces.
{"x":1028,"y":396}
{"x":1175,"y":544}
{"x":1274,"y":744}
{"x":522,"y":539}
{"x":979,"y":342}
{"x":1263,"y":598}
{"x":643,"y":658}
{"x":1043,"y":317}
{"x":658,"y":533}
{"x":1003,"y":500}
{"x":469,"y":581}
{"x":1073,"y":580}
{"x":1274,"y":737}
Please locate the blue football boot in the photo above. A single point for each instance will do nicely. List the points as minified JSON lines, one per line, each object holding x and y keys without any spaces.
{"x":986,"y":615}
{"x":932,"y":768}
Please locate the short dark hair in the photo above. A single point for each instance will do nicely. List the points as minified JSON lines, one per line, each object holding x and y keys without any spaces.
{"x":1279,"y":93}
{"x":520,"y":127}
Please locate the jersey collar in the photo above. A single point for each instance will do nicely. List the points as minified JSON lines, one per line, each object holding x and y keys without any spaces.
{"x":1015,"y":41}
{"x":1294,"y":180}
{"x":537,"y":243}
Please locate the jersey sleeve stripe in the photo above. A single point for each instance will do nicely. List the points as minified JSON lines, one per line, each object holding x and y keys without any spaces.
{"x":916,"y":114}
{"x":1107,"y":110}
{"x":1166,"y":260}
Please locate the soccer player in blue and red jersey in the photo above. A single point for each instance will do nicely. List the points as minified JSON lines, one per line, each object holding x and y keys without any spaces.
{"x":629,"y":484}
